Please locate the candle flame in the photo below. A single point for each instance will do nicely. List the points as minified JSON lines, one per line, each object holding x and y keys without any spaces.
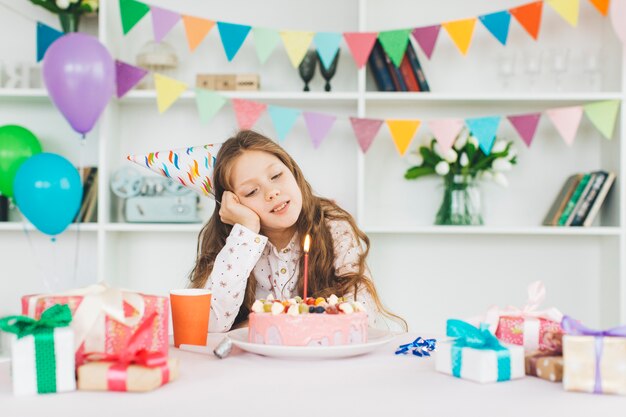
{"x":307,"y":243}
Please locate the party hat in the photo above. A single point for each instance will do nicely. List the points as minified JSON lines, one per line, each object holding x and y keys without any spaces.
{"x":192,"y":167}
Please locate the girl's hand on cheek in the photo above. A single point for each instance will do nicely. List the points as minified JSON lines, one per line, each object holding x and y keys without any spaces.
{"x":232,"y":212}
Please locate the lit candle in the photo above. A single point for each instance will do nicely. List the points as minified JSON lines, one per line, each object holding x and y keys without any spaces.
{"x":307,"y":244}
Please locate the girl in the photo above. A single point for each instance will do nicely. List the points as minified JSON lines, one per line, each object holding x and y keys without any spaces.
{"x":252,"y":245}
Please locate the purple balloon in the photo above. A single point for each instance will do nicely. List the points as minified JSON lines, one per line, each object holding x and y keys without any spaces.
{"x":79,"y":74}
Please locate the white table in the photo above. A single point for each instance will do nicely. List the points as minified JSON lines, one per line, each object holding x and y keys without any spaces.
{"x":379,"y":383}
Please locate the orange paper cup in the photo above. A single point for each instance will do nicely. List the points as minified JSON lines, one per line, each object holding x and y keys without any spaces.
{"x":190,"y":316}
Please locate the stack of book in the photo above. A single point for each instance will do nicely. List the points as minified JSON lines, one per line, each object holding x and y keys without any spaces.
{"x":89,"y":206}
{"x":408,"y":77}
{"x":580,"y":199}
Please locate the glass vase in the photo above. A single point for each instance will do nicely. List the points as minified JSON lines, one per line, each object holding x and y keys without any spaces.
{"x":461,"y":203}
{"x":69,"y":21}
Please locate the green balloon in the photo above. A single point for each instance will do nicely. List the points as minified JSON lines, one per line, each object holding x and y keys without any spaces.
{"x":17,"y":144}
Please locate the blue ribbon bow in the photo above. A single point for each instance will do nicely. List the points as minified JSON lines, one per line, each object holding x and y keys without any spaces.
{"x":477,"y":338}
{"x":420,"y":347}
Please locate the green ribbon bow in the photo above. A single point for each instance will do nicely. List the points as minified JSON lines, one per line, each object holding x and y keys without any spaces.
{"x":477,"y":338}
{"x":42,"y":331}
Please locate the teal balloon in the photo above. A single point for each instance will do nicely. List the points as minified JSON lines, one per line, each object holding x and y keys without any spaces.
{"x":48,"y":192}
{"x":17,"y":144}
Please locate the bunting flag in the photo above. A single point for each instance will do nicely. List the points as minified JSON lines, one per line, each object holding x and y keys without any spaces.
{"x":131,"y":12}
{"x":319,"y":125}
{"x":602,"y":6}
{"x":296,"y":44}
{"x":484,"y":129}
{"x":46,"y":36}
{"x":127,"y":77}
{"x":567,"y":9}
{"x":283,"y":119}
{"x":402,"y":132}
{"x":394,"y":43}
{"x":327,"y":45}
{"x":208,"y":103}
{"x":566,"y":121}
{"x":265,"y":41}
{"x":445,"y":131}
{"x":163,"y":21}
{"x":497,"y":24}
{"x":168,"y":90}
{"x":460,"y":31}
{"x":196,"y":30}
{"x":360,"y":45}
{"x":529,"y":17}
{"x":365,"y":131}
{"x":426,"y":38}
{"x":526,"y":126}
{"x":232,"y":36}
{"x":247,"y":112}
{"x":603,"y":115}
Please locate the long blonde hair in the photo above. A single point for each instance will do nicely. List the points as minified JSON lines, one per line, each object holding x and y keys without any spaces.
{"x":312,"y":220}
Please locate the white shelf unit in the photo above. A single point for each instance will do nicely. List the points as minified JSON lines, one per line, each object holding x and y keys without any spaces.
{"x":417,"y":267}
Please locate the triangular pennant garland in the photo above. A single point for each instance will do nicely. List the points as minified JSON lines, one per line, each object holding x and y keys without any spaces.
{"x":402,"y":132}
{"x":394,"y":43}
{"x":131,"y":12}
{"x":283,"y":119}
{"x":247,"y":112}
{"x":445,"y":131}
{"x":208,"y":103}
{"x":603,"y":116}
{"x":168,"y":90}
{"x":566,"y":121}
{"x":484,"y":129}
{"x":318,"y":125}
{"x":196,"y":30}
{"x":232,"y":36}
{"x":567,"y":9}
{"x":127,"y":77}
{"x":296,"y":44}
{"x":265,"y":41}
{"x":162,"y":22}
{"x":529,"y":17}
{"x":602,"y":6}
{"x":526,"y":126}
{"x":46,"y":35}
{"x":327,"y":44}
{"x":497,"y":24}
{"x":426,"y":38}
{"x":461,"y":32}
{"x":360,"y":45}
{"x":365,"y":131}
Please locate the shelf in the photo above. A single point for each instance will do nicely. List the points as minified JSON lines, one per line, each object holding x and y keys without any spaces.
{"x":153,"y":227}
{"x":29,"y":94}
{"x":19,"y":226}
{"x":391,"y":97}
{"x":140,"y":96}
{"x":500,"y":231}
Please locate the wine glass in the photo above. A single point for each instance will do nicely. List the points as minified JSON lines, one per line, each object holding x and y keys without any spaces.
{"x":506,"y":68}
{"x":307,"y":68}
{"x":560,"y":64}
{"x":532,"y":65}
{"x":591,"y":67}
{"x":328,"y":73}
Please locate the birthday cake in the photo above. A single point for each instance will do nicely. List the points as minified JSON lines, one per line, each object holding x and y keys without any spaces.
{"x":310,"y":322}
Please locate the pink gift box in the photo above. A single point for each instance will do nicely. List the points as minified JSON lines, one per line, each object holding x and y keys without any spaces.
{"x":104,"y":318}
{"x":546,"y":334}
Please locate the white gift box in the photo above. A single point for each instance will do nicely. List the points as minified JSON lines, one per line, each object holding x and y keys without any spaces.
{"x":477,"y":364}
{"x":24,"y":366}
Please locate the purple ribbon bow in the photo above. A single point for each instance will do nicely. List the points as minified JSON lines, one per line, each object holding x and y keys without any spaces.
{"x":421,"y":347}
{"x":573,"y":327}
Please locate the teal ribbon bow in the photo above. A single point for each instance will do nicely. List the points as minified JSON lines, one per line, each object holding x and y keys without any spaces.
{"x":42,"y":331}
{"x":476,"y":338}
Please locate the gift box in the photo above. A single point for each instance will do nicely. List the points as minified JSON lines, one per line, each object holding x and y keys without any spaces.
{"x":105,"y":318}
{"x":42,"y":352}
{"x":477,"y":355}
{"x":594,"y":360}
{"x":111,"y":376}
{"x":545,"y":366}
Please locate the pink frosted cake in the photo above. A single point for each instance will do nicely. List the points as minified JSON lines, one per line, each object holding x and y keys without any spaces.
{"x":314,"y":322}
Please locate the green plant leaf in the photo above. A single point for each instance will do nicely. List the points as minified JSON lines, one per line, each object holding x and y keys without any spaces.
{"x":430,"y":157}
{"x":416,"y":172}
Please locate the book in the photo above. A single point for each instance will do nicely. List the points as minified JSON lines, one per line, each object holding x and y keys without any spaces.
{"x":555,"y":211}
{"x":91,"y":203}
{"x":417,"y":68}
{"x":580,"y":199}
{"x":407,"y":73}
{"x":89,"y":174}
{"x":571,"y":204}
{"x":587,"y":199}
{"x":378,"y":67}
{"x":599,"y":199}
{"x":396,"y":75}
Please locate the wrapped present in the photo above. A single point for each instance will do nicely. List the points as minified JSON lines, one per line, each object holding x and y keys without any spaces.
{"x":528,"y":326}
{"x":477,"y":355}
{"x":133,"y":370}
{"x":105,"y":318}
{"x":594,"y":360}
{"x":545,"y":366}
{"x":42,"y":352}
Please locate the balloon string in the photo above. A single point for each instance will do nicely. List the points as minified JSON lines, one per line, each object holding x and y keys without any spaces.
{"x":81,"y":168}
{"x":44,"y":273}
